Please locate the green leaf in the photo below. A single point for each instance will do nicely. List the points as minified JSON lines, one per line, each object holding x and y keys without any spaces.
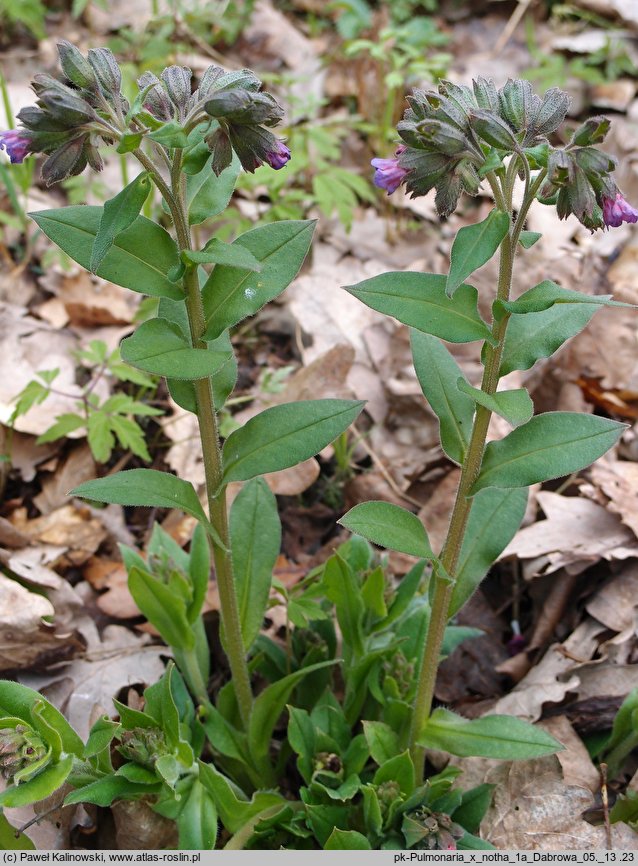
{"x":118,"y":214}
{"x":170,"y":134}
{"x":255,"y":533}
{"x":198,"y":571}
{"x":159,"y":346}
{"x":303,"y":741}
{"x":502,"y":737}
{"x":546,"y":294}
{"x":269,"y":705}
{"x":346,"y":840}
{"x":474,"y":245}
{"x":538,"y":335}
{"x":218,"y":253}
{"x":528,"y":239}
{"x":389,"y":526}
{"x":43,"y":785}
{"x":235,"y":811}
{"x":548,"y":446}
{"x":145,"y":487}
{"x":474,"y":805}
{"x":382,"y":741}
{"x":197,"y":820}
{"x":495,"y":517}
{"x":398,"y":769}
{"x":65,"y":424}
{"x":342,"y":589}
{"x":419,"y":300}
{"x":18,"y":700}
{"x":373,"y":593}
{"x":285,"y":435}
{"x":438,"y":374}
{"x":232,"y":294}
{"x":100,"y":435}
{"x":11,"y":839}
{"x":515,"y":406}
{"x":208,"y":194}
{"x":110,"y":788}
{"x":162,"y":608}
{"x":140,"y":258}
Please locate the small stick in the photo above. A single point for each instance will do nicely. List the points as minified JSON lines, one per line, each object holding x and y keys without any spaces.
{"x":510,"y":27}
{"x":605,"y":798}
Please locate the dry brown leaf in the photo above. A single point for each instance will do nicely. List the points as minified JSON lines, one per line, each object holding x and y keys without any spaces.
{"x":534,"y":809}
{"x":89,"y":301}
{"x":25,"y":638}
{"x":294,"y":480}
{"x":79,"y":466}
{"x":70,"y":528}
{"x":87,"y":685}
{"x":139,"y":828}
{"x":111,"y":576}
{"x":435,"y":514}
{"x":575,"y":762}
{"x":575,"y":533}
{"x":618,"y":479}
{"x":616,"y":603}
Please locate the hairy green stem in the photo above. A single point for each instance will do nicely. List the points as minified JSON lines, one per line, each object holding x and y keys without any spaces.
{"x":209,"y":435}
{"x":443,"y":574}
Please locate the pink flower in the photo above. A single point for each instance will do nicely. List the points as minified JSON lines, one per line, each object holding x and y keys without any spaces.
{"x":617,"y":211}
{"x":279,"y":157}
{"x":388,"y":174}
{"x":16,"y":143}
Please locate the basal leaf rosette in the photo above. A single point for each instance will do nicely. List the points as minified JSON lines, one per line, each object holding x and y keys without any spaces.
{"x":38,"y":747}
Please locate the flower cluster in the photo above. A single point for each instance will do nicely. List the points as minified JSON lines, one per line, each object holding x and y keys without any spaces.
{"x":72,"y":118}
{"x":453,"y":136}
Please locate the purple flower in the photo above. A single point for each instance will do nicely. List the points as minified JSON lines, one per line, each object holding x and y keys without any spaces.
{"x":388,"y":174}
{"x":278,"y":157}
{"x":617,"y":211}
{"x":16,"y":143}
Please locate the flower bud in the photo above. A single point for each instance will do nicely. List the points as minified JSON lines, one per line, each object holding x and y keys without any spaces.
{"x":16,"y":144}
{"x":107,"y":72}
{"x":486,"y":94}
{"x":448,"y":191}
{"x":156,"y":101}
{"x":41,"y":121}
{"x":592,"y":131}
{"x":67,"y":108}
{"x":75,"y":65}
{"x":219,"y":144}
{"x":492,"y":129}
{"x":594,"y":162}
{"x":67,"y":160}
{"x":443,"y":138}
{"x":560,"y":167}
{"x":208,"y":80}
{"x":518,"y":103}
{"x":551,"y":112}
{"x":617,"y":210}
{"x":177,"y":80}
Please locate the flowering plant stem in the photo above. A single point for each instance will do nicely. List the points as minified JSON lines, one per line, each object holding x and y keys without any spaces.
{"x":444,"y":569}
{"x":209,"y":436}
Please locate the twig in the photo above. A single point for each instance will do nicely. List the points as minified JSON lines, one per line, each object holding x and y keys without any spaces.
{"x":605,"y":799}
{"x":510,"y":27}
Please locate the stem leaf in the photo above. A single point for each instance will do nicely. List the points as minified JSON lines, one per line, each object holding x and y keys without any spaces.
{"x":139,"y":259}
{"x":473,"y":246}
{"x":419,"y":300}
{"x":218,"y":253}
{"x":118,"y":214}
{"x":515,"y":406}
{"x":159,"y":346}
{"x":231,"y":294}
{"x":495,"y":517}
{"x":389,"y":526}
{"x":438,"y":373}
{"x":143,"y":487}
{"x":255,"y":532}
{"x":549,"y":446}
{"x":208,"y":194}
{"x":285,"y":435}
{"x":504,"y":737}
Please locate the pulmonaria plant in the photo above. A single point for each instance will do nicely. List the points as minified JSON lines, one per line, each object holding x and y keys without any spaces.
{"x":452,"y":140}
{"x":348,"y":773}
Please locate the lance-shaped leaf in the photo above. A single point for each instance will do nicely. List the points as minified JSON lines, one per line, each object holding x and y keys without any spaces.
{"x":495,"y":517}
{"x":342,"y":588}
{"x":118,"y":214}
{"x":208,"y":194}
{"x":473,"y":246}
{"x":533,"y":336}
{"x":139,"y":259}
{"x":503,"y":737}
{"x":285,"y":435}
{"x":389,"y":526}
{"x":43,"y":785}
{"x":231,"y":294}
{"x":548,"y":293}
{"x":419,"y":300}
{"x":218,"y":253}
{"x":255,"y":533}
{"x":162,"y":608}
{"x":548,"y":446}
{"x":515,"y":406}
{"x":528,"y":239}
{"x":159,"y":346}
{"x":438,"y":373}
{"x":145,"y":487}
